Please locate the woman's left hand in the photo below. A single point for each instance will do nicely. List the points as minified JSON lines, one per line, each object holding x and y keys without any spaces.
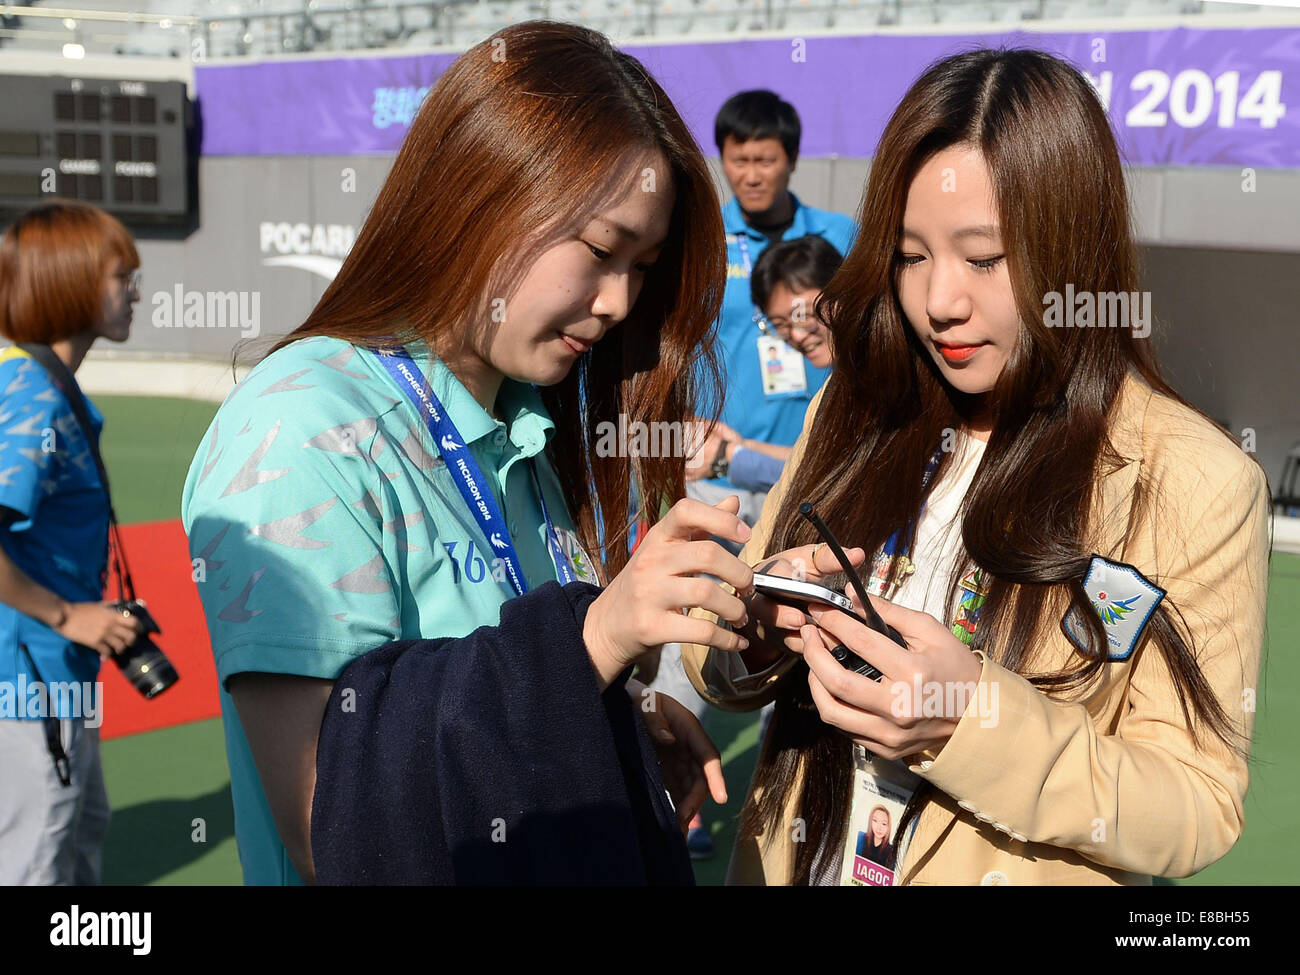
{"x":886,"y":716}
{"x":692,"y":767}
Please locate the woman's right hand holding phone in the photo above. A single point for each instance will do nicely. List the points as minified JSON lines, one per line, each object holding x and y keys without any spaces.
{"x":645,"y":605}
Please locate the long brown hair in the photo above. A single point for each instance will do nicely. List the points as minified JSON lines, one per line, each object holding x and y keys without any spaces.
{"x":52,"y":264}
{"x":524,"y":138}
{"x":1065,"y":218}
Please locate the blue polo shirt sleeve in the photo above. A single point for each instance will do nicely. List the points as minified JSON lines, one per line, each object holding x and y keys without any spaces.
{"x":28,"y":411}
{"x":841,"y":231}
{"x":753,"y":470}
{"x":284,"y":511}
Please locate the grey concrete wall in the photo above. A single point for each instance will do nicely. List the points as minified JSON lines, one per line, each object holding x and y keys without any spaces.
{"x":308,"y":205}
{"x":1226,"y":331}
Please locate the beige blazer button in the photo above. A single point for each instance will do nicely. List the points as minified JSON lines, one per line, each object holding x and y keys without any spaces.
{"x":995,"y":878}
{"x":967,"y":806}
{"x":983,"y":818}
{"x":925,"y":765}
{"x":1019,"y":838}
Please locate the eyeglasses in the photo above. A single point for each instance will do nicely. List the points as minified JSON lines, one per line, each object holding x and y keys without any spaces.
{"x":785,"y":329}
{"x":131,"y":280}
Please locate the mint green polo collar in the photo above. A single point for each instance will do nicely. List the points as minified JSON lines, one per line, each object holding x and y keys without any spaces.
{"x":525,"y":415}
{"x":528,"y":420}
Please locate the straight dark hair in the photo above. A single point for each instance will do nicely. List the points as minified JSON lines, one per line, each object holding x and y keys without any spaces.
{"x":525,"y":138}
{"x":759,"y":114}
{"x":1065,"y":218}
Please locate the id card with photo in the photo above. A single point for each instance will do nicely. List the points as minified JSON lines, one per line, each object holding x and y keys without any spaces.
{"x":881,"y":790}
{"x":781,"y":367}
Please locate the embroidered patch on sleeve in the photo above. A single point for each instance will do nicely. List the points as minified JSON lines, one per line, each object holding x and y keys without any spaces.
{"x":1124,"y":600}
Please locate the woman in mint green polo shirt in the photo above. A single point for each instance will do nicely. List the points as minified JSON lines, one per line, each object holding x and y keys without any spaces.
{"x":544,"y":257}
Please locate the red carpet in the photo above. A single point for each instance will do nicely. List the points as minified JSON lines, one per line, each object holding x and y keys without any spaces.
{"x":160,"y":566}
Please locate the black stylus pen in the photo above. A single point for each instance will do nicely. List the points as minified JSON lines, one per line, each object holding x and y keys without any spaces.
{"x":870,"y":617}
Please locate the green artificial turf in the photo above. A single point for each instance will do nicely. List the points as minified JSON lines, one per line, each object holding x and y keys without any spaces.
{"x":1269,"y":849}
{"x":172,"y":821}
{"x":148,"y":444}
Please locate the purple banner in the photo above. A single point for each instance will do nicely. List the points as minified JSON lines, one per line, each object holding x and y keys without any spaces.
{"x":1179,"y":96}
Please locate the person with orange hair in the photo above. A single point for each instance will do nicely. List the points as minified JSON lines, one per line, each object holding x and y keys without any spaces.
{"x":68,"y":276}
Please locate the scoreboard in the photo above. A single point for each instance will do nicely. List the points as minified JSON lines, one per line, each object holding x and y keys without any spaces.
{"x":121,"y":145}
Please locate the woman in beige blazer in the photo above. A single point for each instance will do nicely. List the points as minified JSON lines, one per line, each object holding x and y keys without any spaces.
{"x":969,"y":315}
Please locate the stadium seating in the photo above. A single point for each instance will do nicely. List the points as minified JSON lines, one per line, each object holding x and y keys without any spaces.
{"x":858,"y":14}
{"x":673,"y":17}
{"x":623,"y":19}
{"x":262,"y":28}
{"x":804,"y":13}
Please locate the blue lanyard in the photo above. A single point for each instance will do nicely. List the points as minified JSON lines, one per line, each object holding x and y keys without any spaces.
{"x":891,"y":544}
{"x":759,"y":318}
{"x":743,"y":242}
{"x":466,"y":473}
{"x":561,"y":561}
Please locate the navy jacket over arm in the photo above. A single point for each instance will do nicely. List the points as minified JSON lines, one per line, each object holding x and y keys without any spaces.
{"x":491,"y":759}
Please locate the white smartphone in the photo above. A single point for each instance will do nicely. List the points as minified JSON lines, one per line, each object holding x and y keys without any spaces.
{"x":784,"y":590}
{"x":780,"y":587}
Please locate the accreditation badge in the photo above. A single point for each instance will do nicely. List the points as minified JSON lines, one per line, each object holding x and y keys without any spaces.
{"x":781,"y":367}
{"x":881,"y":790}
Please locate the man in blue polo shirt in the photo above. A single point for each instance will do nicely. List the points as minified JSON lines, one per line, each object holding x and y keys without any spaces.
{"x":768,"y":384}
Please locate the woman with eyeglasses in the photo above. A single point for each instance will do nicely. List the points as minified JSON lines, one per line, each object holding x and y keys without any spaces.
{"x":787,"y":281}
{"x":68,"y":277}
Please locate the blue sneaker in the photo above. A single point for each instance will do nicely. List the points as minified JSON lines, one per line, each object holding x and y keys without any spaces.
{"x":699,"y":844}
